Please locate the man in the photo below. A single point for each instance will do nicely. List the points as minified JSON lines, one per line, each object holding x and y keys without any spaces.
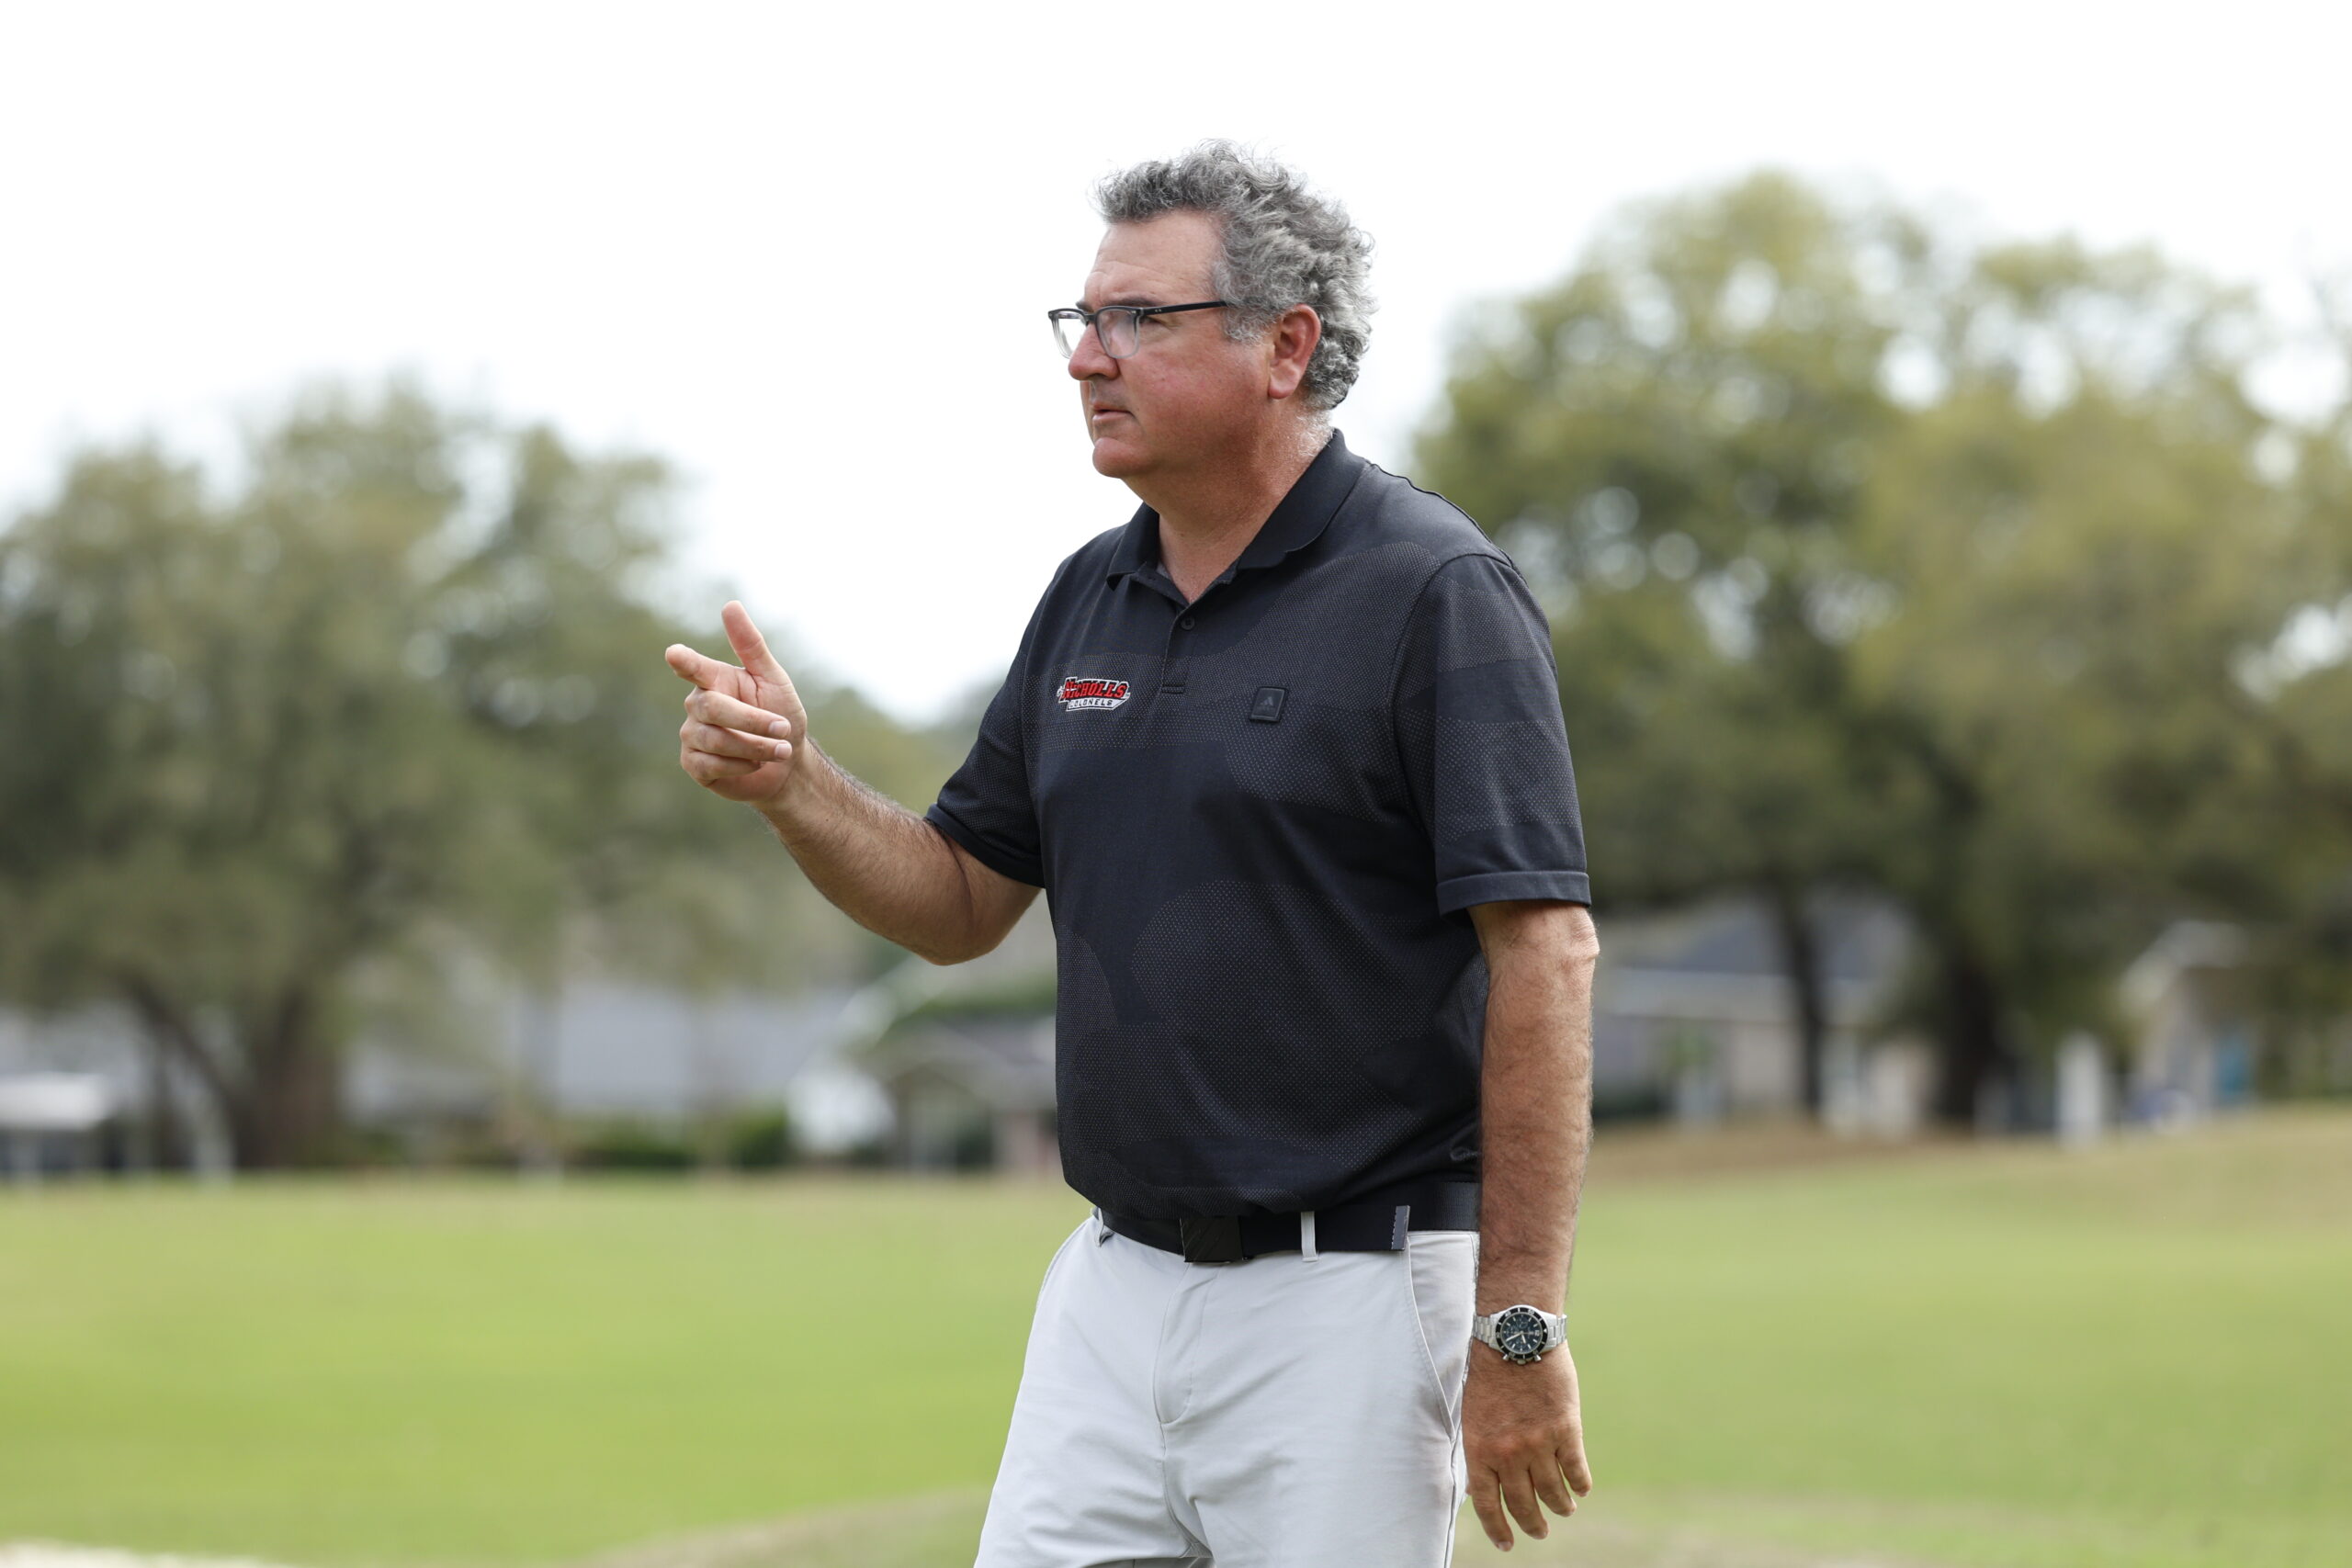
{"x":1286,"y":753}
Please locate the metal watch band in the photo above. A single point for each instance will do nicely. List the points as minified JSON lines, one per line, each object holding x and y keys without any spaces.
{"x":1521,"y":1333}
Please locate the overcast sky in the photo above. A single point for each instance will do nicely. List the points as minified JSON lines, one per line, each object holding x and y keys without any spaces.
{"x":710,"y":229}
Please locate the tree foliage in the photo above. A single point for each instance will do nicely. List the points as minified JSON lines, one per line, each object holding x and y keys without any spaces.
{"x":1877,"y":560}
{"x":397,"y":691}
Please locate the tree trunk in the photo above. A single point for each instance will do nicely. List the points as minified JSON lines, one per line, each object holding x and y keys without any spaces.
{"x":1800,"y":957}
{"x":172,"y":1035}
{"x":166,"y":1149}
{"x":289,"y":1110}
{"x":1971,"y":1051}
{"x":285,"y":1109}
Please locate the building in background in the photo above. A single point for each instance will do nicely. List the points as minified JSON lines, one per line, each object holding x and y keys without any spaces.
{"x":2194,"y":1043}
{"x":50,"y":1119}
{"x":930,"y":1067}
{"x":1694,"y":1016}
{"x":971,"y":1092}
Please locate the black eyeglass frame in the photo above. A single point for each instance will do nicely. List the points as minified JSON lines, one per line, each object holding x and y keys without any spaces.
{"x":1093,"y":319}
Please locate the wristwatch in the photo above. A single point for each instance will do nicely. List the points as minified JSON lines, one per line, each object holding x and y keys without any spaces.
{"x":1521,"y":1332}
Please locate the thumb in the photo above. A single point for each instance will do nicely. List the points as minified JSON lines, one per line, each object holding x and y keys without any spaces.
{"x":749,"y":645}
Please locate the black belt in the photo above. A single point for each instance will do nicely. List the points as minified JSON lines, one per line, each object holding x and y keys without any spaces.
{"x":1375,"y":1223}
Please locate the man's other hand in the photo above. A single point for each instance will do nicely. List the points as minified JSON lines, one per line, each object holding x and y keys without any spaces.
{"x":744,"y":725}
{"x":1523,"y":1437}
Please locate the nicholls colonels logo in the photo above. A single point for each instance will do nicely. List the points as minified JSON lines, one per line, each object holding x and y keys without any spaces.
{"x":1091,"y":692}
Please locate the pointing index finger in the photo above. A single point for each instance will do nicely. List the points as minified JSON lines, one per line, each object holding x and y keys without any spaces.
{"x":749,"y":646}
{"x":699,"y":668}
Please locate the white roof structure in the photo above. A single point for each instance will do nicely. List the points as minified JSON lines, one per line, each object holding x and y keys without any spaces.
{"x":54,"y":1102}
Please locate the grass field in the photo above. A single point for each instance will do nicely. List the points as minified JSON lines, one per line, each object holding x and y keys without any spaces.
{"x":2131,"y":1357}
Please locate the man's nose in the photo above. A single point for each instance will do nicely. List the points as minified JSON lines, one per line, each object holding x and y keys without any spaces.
{"x":1087,"y":360}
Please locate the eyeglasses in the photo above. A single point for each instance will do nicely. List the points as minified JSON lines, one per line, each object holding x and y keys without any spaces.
{"x":1116,"y":327}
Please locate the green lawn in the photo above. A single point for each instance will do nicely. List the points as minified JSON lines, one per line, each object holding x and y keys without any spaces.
{"x":2135,"y":1357}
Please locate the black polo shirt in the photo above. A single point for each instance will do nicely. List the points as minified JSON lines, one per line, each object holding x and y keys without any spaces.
{"x":1260,"y":820}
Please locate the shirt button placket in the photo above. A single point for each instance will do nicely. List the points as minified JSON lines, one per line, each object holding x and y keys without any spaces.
{"x":1172,"y":678}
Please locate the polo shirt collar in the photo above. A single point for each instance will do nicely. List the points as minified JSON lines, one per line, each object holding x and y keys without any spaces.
{"x":1299,"y":519}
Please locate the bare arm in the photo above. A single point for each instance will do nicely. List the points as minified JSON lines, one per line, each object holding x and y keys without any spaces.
{"x":746,"y":738}
{"x":1522,"y":1426}
{"x":887,"y":869}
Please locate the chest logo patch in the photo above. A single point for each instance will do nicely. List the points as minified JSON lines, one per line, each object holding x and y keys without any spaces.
{"x":1091,"y":692}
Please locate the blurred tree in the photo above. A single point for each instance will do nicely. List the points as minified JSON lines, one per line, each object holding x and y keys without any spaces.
{"x":399,"y":693}
{"x":2078,"y":552}
{"x":2300,"y":691}
{"x":1674,"y":439}
{"x":1878,"y":561}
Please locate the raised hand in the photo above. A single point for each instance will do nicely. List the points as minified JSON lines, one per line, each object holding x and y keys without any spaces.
{"x":744,"y":724}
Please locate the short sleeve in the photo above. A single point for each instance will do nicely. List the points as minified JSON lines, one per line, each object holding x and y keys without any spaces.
{"x":1485,"y":751}
{"x":986,"y":805}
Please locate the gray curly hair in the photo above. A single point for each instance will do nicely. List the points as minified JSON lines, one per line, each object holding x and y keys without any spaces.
{"x":1284,"y":245}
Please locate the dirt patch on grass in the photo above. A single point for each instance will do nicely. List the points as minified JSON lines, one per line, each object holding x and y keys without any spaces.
{"x":941,"y":1529}
{"x":937,"y":1529}
{"x":1602,"y":1544}
{"x":56,"y":1554}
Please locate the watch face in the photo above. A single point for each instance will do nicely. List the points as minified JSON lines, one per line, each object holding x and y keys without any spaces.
{"x":1520,"y":1332}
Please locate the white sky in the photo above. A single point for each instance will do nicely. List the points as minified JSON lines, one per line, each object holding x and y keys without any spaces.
{"x":688,"y":226}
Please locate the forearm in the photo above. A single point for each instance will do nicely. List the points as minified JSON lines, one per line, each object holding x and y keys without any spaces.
{"x":1535,"y":1117}
{"x":879,"y":864}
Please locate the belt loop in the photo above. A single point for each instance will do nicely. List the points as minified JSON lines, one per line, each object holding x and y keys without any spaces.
{"x":1306,"y":1234}
{"x":1102,"y":1231}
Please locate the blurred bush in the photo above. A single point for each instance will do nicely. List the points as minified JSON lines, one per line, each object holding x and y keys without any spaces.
{"x":761,"y":1139}
{"x":631,"y":1143}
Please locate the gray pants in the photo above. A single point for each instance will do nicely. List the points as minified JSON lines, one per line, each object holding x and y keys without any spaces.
{"x":1294,"y":1411}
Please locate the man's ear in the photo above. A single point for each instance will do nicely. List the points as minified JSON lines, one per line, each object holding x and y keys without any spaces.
{"x":1297,"y":332}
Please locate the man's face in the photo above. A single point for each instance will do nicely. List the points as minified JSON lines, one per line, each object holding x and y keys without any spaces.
{"x":1188,"y":390}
